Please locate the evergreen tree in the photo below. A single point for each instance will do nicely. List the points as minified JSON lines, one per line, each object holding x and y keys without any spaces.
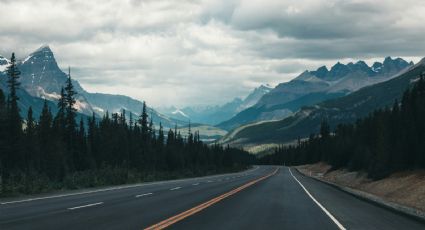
{"x":13,"y":156}
{"x":144,"y":122}
{"x":31,"y":154}
{"x":70,"y":109}
{"x":59,"y":121}
{"x":70,"y":124}
{"x":45,"y":136}
{"x":3,"y":139}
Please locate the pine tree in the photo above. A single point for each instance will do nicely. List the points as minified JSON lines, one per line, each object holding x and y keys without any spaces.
{"x":45,"y":136}
{"x":160,"y":135}
{"x":83,"y":159}
{"x":70,"y":110}
{"x":14,"y":120}
{"x":31,"y":153}
{"x":59,"y":121}
{"x":3,"y":138}
{"x":70,"y":124}
{"x":144,"y":122}
{"x":13,"y":84}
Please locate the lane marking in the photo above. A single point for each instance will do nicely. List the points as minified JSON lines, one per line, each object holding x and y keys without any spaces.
{"x":172,"y":220}
{"x":176,"y":188}
{"x":85,"y":206}
{"x":256,"y":167}
{"x":340,"y":226}
{"x":195,"y":184}
{"x":209,"y":181}
{"x":146,"y":194}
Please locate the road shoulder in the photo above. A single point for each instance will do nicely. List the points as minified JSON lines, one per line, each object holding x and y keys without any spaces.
{"x":371,"y":198}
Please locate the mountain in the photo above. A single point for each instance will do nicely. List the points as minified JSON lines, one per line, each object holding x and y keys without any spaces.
{"x":212,"y":115}
{"x":312,"y":87}
{"x":42,"y":78}
{"x":345,"y":109}
{"x":25,"y":99}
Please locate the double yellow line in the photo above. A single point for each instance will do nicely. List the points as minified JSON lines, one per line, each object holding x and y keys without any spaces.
{"x":165,"y":223}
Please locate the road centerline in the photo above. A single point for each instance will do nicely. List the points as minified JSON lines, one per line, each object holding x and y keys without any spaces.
{"x":165,"y":223}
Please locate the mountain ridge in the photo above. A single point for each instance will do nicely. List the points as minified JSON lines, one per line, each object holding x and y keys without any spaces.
{"x":311,"y":87}
{"x":345,"y":109}
{"x":213,"y":115}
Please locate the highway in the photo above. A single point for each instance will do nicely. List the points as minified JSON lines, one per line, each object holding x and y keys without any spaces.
{"x":264,"y":197}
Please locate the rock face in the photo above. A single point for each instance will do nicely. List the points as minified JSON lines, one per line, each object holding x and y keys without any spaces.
{"x":312,"y":87}
{"x":41,"y":75}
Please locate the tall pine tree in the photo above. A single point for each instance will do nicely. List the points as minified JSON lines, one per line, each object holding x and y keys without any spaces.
{"x":14,"y":120}
{"x":70,"y":124}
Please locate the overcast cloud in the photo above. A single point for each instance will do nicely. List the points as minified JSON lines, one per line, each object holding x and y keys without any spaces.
{"x":207,"y":52}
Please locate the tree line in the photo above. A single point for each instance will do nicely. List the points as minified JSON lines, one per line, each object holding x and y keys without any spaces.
{"x":56,"y":151}
{"x":388,"y":140}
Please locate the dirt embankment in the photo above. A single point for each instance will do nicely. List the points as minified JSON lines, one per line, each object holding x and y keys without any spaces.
{"x":405,"y":188}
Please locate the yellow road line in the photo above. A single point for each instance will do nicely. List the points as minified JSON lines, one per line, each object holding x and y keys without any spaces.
{"x":165,"y":223}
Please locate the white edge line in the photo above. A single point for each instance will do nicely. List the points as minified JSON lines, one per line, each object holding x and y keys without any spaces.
{"x":145,"y":194}
{"x":175,"y":188}
{"x":115,"y":188}
{"x":85,"y":206}
{"x":340,"y":226}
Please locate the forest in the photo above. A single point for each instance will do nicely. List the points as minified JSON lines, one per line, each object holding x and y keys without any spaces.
{"x":388,"y":140}
{"x":55,"y":151}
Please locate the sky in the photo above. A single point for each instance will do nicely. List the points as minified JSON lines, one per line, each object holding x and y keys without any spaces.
{"x":191,"y":52}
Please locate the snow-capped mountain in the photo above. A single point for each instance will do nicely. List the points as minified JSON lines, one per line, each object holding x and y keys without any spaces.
{"x":254,"y":97}
{"x":215,"y":114}
{"x":42,"y":78}
{"x":311,"y":87}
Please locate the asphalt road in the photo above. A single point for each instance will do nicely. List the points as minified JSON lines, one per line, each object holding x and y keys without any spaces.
{"x":265,"y":197}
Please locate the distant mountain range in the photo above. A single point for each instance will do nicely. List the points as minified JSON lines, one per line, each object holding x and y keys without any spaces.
{"x":342,"y":94}
{"x":42,"y":78}
{"x":213,"y":115}
{"x":312,"y":87}
{"x":346,"y":109}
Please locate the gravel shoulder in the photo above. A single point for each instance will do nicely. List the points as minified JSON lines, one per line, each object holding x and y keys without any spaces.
{"x":402,"y":191}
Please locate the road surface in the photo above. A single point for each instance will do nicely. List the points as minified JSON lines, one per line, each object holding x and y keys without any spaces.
{"x":265,"y":197}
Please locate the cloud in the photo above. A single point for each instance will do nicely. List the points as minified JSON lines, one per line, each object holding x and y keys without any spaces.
{"x":207,"y":51}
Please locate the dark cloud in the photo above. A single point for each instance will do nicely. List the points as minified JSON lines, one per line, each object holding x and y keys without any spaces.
{"x":207,"y":51}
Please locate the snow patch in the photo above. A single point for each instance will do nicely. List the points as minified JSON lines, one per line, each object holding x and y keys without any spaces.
{"x":180,"y":113}
{"x":80,"y":106}
{"x":98,"y":109}
{"x":26,"y":59}
{"x":50,"y":96}
{"x":376,"y":70}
